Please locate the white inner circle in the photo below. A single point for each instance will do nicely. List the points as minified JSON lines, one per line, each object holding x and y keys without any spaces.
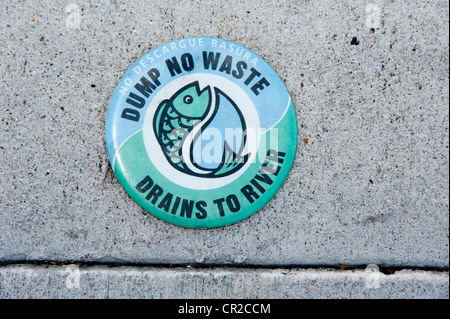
{"x":155,"y":152}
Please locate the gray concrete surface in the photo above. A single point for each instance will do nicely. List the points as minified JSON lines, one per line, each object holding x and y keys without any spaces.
{"x":184,"y":283}
{"x":370,"y":179}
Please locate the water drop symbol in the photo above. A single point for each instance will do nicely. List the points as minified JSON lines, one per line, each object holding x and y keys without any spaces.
{"x":201,"y":132}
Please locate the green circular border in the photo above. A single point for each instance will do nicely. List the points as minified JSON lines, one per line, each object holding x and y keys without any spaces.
{"x":127,"y":177}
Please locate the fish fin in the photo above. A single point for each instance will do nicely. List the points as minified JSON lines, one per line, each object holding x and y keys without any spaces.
{"x":158,"y":119}
{"x":231,"y":162}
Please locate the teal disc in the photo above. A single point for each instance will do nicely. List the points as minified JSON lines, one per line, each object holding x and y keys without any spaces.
{"x":201,"y":132}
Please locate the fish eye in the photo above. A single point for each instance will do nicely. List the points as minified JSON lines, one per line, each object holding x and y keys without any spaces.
{"x":188,"y":99}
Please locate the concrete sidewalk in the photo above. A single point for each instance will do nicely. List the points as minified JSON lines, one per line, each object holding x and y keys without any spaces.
{"x":370,"y":183}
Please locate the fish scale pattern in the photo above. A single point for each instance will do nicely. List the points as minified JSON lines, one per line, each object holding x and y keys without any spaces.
{"x":171,"y":130}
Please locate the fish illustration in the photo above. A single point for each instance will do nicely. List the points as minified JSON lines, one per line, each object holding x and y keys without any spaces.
{"x":180,"y":120}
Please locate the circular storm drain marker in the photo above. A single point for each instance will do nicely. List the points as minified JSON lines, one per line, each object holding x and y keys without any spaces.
{"x":201,"y":132}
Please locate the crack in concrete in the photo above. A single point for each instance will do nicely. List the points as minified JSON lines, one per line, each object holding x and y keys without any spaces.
{"x":385,"y":269}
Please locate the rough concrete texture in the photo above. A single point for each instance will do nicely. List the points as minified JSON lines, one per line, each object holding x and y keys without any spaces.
{"x":183,"y":283}
{"x":370,"y":179}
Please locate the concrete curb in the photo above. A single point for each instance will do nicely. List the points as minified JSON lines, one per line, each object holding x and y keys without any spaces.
{"x":28,"y":281}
